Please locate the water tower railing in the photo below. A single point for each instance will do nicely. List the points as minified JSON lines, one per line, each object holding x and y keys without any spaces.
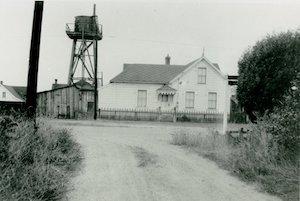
{"x":70,"y":28}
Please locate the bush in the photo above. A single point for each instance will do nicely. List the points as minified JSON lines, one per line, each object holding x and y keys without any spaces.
{"x":284,"y":124}
{"x":184,"y":118}
{"x":35,"y":164}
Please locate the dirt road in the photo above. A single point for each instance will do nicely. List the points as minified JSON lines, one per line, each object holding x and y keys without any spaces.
{"x":112,"y":170}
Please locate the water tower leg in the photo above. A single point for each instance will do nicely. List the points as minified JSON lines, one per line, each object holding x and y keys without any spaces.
{"x":96,"y":79}
{"x":72,"y":62}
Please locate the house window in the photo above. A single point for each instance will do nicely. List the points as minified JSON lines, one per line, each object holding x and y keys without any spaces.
{"x":189,"y":99}
{"x":201,"y":75}
{"x":212,"y":100}
{"x":142,"y":98}
{"x":3,"y":94}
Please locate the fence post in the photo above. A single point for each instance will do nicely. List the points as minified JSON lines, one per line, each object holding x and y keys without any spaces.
{"x":135,"y":115}
{"x":174,"y":115}
{"x":158,"y":114}
{"x":225,"y":120}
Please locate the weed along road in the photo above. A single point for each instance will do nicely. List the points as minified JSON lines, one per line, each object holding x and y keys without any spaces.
{"x":136,"y":162}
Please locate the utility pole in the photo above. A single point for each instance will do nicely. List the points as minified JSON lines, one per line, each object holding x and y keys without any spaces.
{"x":34,"y":59}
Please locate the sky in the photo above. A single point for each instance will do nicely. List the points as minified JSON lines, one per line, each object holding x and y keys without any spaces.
{"x":140,"y":32}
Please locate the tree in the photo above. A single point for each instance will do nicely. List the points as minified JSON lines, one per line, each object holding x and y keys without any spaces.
{"x":266,"y":72}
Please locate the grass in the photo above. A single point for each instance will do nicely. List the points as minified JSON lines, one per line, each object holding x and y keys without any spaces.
{"x":144,"y":157}
{"x":253,"y":160}
{"x":35,"y":164}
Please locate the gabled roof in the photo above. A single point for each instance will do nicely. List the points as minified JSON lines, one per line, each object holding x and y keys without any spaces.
{"x":17,"y":91}
{"x":191,"y":65}
{"x":154,"y":73}
{"x":22,"y":91}
{"x":148,"y":73}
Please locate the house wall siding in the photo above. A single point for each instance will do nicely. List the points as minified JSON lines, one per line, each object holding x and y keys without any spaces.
{"x":189,"y":82}
{"x":123,"y":95}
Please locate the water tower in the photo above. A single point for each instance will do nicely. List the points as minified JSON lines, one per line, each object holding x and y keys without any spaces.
{"x":85,"y":33}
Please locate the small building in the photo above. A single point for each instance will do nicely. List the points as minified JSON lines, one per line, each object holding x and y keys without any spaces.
{"x":63,"y":101}
{"x":12,"y":97}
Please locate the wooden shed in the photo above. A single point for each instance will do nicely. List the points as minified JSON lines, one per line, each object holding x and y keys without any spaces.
{"x":72,"y":102}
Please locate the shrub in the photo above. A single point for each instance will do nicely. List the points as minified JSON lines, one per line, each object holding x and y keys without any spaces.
{"x":35,"y":164}
{"x":284,"y":125}
{"x":184,"y":118}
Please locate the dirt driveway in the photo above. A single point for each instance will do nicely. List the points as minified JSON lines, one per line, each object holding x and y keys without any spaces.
{"x":113,"y":169}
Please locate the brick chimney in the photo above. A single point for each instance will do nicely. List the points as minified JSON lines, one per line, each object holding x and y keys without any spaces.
{"x":167,"y":60}
{"x":55,"y":81}
{"x":1,"y":82}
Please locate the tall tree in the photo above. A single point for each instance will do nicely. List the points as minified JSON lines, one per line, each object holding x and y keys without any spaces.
{"x":266,"y":72}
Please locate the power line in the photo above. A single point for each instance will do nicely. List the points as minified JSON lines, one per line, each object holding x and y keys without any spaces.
{"x":148,"y":40}
{"x":168,"y":42}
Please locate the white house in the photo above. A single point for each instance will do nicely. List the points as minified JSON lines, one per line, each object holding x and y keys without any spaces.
{"x":197,"y":86}
{"x":11,"y":97}
{"x":13,"y":94}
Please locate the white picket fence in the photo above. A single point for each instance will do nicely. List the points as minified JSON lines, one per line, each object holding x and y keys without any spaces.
{"x":158,"y":115}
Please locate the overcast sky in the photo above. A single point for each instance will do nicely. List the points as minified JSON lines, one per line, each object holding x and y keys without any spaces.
{"x":139,"y":32}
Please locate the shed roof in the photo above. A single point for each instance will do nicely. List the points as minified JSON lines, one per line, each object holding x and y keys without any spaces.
{"x":81,"y":85}
{"x":58,"y":86}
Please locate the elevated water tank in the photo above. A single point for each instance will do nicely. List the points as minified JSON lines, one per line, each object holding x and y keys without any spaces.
{"x":85,"y":27}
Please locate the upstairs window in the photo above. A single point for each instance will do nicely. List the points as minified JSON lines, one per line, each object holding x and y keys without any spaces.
{"x":189,"y":99}
{"x":142,"y":98}
{"x":3,"y":94}
{"x":201,"y":75}
{"x":212,"y":100}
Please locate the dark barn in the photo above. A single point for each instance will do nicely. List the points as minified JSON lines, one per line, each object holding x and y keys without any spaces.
{"x":71,"y":102}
